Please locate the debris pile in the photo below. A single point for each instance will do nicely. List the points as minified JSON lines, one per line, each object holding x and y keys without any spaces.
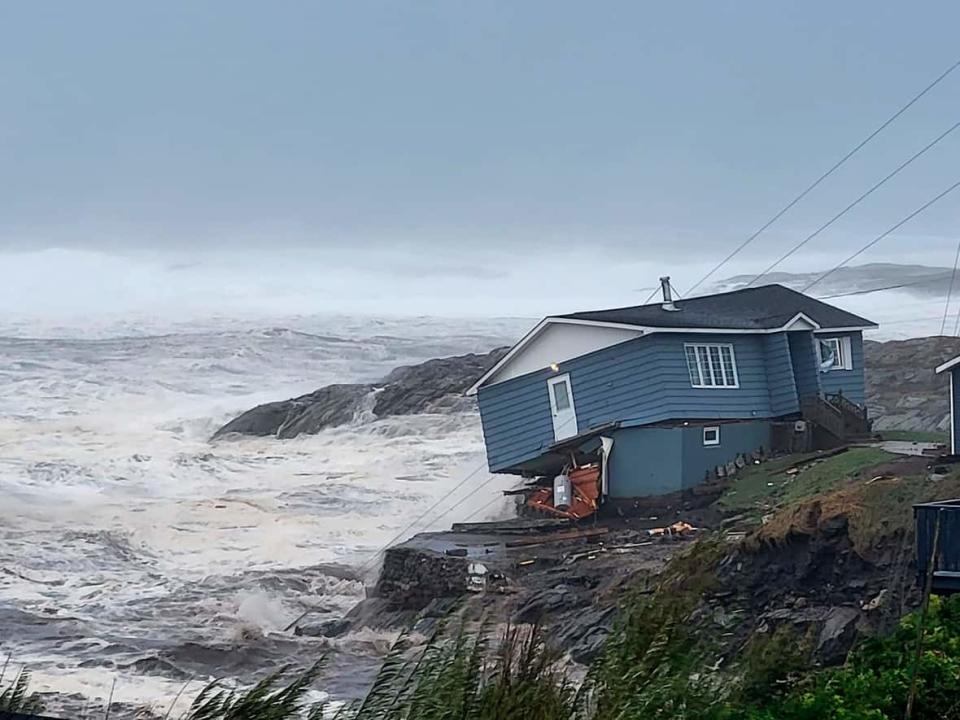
{"x":574,"y":494}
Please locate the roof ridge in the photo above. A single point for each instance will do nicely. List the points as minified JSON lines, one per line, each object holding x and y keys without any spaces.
{"x":679,"y":301}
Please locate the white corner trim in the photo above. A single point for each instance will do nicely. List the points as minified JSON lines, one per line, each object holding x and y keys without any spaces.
{"x":948,"y":365}
{"x":800,"y":321}
{"x":852,"y":328}
{"x":953,"y":436}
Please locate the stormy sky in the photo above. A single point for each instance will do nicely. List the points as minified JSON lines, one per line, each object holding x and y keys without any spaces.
{"x":442,"y":157}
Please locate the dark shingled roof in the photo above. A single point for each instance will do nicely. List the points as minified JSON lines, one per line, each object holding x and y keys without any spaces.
{"x":759,"y":308}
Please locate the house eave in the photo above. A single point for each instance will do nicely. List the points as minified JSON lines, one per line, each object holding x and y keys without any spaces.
{"x":948,"y":365}
{"x":644,"y":330}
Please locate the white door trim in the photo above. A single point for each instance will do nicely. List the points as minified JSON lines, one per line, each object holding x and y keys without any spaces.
{"x":564,"y":418}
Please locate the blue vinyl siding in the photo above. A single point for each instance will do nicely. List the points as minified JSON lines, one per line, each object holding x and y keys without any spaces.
{"x":737,"y":438}
{"x":806,"y":367}
{"x":849,"y":382}
{"x":780,"y":378}
{"x":641,"y":381}
{"x":646,"y":461}
{"x":662,"y":460}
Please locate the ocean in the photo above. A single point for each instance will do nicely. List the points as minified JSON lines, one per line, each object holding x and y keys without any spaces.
{"x":137,"y":555}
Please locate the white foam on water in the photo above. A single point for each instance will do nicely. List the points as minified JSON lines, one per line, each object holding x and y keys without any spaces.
{"x":125,"y":535}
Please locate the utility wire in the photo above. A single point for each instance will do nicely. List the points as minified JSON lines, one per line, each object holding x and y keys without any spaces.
{"x":953,"y":278}
{"x":880,"y":237}
{"x":825,"y":175}
{"x":921,"y":281}
{"x":856,"y":202}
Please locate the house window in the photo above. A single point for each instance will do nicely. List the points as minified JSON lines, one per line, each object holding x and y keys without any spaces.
{"x":835,"y":354}
{"x":711,"y":435}
{"x":712,"y":365}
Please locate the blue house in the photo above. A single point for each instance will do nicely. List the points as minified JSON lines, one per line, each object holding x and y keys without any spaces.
{"x":663,"y":394}
{"x":953,"y":367}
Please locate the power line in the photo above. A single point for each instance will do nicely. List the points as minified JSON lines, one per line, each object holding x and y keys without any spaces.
{"x":880,"y":237}
{"x":650,"y":296}
{"x":827,"y":174}
{"x":921,"y":281}
{"x":856,"y":202}
{"x":953,"y":277}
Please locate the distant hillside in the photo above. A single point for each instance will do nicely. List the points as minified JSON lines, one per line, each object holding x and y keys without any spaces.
{"x":924,"y":281}
{"x":903,"y":392}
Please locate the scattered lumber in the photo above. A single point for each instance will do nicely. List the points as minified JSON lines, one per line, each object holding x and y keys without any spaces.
{"x":558,"y":537}
{"x":517,"y":526}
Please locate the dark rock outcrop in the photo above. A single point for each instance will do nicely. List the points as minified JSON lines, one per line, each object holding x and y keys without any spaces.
{"x":903,"y":391}
{"x":433,"y":386}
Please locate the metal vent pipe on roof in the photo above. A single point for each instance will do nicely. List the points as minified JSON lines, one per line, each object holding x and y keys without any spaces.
{"x":667,"y":294}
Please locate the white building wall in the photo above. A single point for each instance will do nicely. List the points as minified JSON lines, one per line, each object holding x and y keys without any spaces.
{"x":559,"y":342}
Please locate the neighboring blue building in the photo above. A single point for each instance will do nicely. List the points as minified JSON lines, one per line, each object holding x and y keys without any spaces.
{"x":680,"y":387}
{"x":953,"y":367}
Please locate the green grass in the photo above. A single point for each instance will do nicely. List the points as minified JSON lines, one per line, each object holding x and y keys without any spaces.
{"x":760,"y":488}
{"x":933,"y":436}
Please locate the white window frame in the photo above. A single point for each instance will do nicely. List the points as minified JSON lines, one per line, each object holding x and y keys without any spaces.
{"x":843,"y":351}
{"x":714,"y":429}
{"x":700,"y":374}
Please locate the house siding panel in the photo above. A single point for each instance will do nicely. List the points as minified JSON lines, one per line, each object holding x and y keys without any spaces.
{"x":735,"y":439}
{"x":646,"y":461}
{"x":780,"y":379}
{"x":658,"y":461}
{"x":643,"y":381}
{"x":806,"y":370}
{"x":849,"y":382}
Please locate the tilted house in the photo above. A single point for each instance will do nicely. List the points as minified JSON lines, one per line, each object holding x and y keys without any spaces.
{"x":679,"y":387}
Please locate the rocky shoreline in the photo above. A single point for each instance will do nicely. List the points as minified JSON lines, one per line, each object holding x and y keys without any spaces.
{"x":903,"y":392}
{"x":436,"y":385}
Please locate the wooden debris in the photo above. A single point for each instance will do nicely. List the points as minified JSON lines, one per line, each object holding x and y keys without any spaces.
{"x":678,"y":528}
{"x":557,"y":537}
{"x":518,"y":526}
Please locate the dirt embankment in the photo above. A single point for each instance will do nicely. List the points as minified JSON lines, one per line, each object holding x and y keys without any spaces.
{"x":829,"y":557}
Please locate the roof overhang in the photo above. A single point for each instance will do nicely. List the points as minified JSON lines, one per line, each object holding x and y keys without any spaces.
{"x":800,"y":321}
{"x":948,"y":365}
{"x":532,"y":335}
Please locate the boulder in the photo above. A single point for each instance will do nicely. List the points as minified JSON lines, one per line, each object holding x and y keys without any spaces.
{"x":433,"y":386}
{"x":326,"y":628}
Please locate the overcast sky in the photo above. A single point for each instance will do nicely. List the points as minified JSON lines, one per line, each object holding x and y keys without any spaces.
{"x":463,"y":141}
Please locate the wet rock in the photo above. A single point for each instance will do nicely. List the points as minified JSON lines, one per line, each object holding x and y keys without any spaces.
{"x":155,"y":666}
{"x":585,"y":633}
{"x":412,"y":578}
{"x":433,"y":386}
{"x":837,"y":634}
{"x":547,"y":602}
{"x":903,"y":391}
{"x":326,"y":628}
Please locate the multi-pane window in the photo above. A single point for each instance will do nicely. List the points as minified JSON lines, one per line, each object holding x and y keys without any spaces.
{"x":835,"y":354}
{"x":711,"y":365}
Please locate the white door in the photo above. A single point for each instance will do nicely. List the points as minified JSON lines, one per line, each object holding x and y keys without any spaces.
{"x":561,"y":406}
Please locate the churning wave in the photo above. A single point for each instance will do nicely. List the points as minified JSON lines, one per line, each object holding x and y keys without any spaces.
{"x":133,"y":548}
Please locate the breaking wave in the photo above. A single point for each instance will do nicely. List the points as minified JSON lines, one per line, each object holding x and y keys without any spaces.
{"x":132,"y":548}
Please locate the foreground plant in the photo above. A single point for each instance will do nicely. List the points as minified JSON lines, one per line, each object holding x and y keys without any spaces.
{"x":16,"y":697}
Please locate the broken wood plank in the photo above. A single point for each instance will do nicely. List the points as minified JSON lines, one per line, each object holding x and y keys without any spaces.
{"x":557,"y":537}
{"x":512,"y":527}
